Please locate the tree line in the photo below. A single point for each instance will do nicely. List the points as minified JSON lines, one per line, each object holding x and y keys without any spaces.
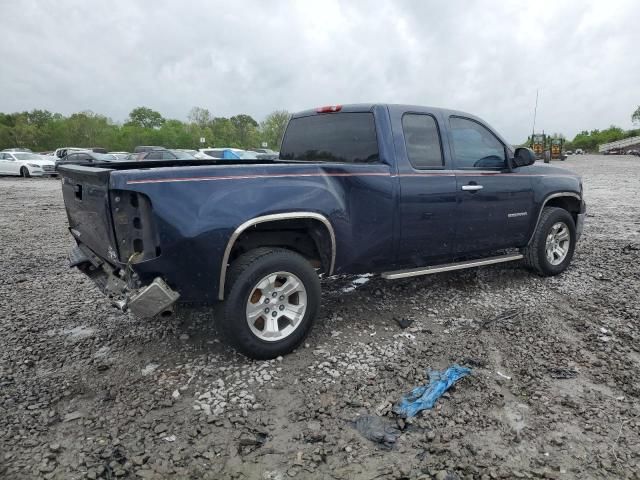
{"x":42,"y":130}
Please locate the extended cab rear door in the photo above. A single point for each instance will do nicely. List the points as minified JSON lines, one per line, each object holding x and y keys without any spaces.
{"x":495,"y":203}
{"x":427,"y":201}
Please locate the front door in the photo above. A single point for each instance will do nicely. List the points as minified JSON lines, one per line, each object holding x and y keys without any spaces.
{"x":495,"y":203}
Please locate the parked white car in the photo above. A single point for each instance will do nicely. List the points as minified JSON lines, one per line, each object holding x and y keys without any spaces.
{"x":26,"y":164}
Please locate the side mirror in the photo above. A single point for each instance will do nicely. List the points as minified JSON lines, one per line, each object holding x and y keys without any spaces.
{"x":523,"y":157}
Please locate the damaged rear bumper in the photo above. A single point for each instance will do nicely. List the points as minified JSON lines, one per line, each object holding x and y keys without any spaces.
{"x":148,"y":301}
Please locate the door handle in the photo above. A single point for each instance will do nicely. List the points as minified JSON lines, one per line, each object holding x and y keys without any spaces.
{"x":472,"y":188}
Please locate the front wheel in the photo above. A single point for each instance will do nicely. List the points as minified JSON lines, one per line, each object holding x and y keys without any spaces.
{"x":24,"y":171}
{"x":551,"y":249}
{"x":271,"y":301}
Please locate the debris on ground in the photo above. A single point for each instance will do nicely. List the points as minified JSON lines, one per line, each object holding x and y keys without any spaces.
{"x":425,"y":396}
{"x":504,"y":316}
{"x":562,"y":373}
{"x":403,"y":322}
{"x":475,"y":362}
{"x":378,"y":429}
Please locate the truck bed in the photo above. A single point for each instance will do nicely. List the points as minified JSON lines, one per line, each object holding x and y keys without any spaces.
{"x":146,"y":164}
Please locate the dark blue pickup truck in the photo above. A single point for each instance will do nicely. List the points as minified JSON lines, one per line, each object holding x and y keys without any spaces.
{"x":392,"y":189}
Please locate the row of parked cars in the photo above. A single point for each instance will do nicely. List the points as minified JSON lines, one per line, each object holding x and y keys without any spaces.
{"x":24,"y":162}
{"x":622,"y":151}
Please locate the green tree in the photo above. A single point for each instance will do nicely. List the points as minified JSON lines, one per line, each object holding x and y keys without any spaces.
{"x":39,"y":118}
{"x":199,"y":116}
{"x":272,"y":128}
{"x":246,"y":130}
{"x":635,"y":116}
{"x":222,"y":133}
{"x":145,"y":117}
{"x":23,"y":134}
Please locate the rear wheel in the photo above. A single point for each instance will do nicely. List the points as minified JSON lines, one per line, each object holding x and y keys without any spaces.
{"x":551,"y":249}
{"x":271,"y":301}
{"x":24,"y":171}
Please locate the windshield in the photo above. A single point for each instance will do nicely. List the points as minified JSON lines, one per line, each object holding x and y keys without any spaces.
{"x":27,"y":156}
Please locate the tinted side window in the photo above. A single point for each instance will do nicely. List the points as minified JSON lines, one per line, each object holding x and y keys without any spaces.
{"x":332,"y":137}
{"x":475,"y":146}
{"x":422,"y":140}
{"x":153,"y":156}
{"x":214,"y":153}
{"x":168,"y":156}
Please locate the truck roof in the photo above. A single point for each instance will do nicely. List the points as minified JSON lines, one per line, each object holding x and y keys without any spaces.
{"x":393,"y":107}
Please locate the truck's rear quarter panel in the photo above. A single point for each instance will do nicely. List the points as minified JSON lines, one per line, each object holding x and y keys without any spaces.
{"x":196,"y":209}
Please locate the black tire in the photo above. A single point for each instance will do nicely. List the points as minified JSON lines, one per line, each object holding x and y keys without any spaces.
{"x":243,"y":276}
{"x":24,"y":171}
{"x":535,"y":255}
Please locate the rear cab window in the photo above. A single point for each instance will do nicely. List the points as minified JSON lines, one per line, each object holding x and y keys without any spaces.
{"x":346,"y":137}
{"x":422,"y":141}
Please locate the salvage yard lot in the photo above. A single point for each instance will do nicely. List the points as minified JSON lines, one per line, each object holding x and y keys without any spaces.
{"x":88,"y":392}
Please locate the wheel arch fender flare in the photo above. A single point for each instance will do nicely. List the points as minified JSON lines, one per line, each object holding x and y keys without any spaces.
{"x":273,"y":218}
{"x":544,"y":203}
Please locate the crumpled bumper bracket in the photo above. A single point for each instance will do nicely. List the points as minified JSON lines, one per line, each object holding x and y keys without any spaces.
{"x":157,"y":298}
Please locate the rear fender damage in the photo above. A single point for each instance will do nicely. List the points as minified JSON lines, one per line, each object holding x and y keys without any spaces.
{"x":155,"y":299}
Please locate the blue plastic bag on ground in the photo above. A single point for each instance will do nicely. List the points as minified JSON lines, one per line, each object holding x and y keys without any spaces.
{"x":425,"y":396}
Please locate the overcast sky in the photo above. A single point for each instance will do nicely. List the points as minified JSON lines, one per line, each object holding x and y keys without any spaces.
{"x":253,"y":57}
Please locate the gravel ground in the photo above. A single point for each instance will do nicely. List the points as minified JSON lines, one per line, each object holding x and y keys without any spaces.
{"x":88,"y":392}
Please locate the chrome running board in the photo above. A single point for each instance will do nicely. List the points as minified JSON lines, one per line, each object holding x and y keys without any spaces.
{"x":447,"y":267}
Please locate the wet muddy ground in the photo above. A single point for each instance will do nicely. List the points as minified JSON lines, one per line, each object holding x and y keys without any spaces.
{"x":88,"y":392}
